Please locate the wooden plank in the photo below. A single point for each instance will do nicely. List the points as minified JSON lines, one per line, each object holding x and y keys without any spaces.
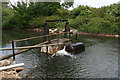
{"x":18,"y":69}
{"x":24,"y":50}
{"x":27,"y":47}
{"x":38,"y":37}
{"x":21,"y":51}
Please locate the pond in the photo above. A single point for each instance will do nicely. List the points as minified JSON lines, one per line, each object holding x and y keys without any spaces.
{"x":99,"y":60}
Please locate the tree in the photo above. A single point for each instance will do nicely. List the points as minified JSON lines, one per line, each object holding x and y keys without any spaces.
{"x":82,"y":11}
{"x":7,"y":16}
{"x":67,"y":4}
{"x":43,"y":8}
{"x":24,"y":12}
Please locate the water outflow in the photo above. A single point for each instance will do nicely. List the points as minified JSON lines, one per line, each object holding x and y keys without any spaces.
{"x":62,"y":53}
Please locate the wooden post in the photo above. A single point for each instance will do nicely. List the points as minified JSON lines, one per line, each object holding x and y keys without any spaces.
{"x":46,"y":32}
{"x":67,"y":29}
{"x":65,"y":35}
{"x":49,"y":40}
{"x":61,"y":36}
{"x":13,"y":51}
{"x":68,"y":34}
{"x":46,"y":49}
{"x":46,"y":29}
{"x":58,"y":41}
{"x":76,"y":36}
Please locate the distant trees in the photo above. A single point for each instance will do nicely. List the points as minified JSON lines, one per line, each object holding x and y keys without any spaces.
{"x":96,"y":20}
{"x":84,"y":18}
{"x":82,"y":11}
{"x":7,"y":16}
{"x":26,"y":13}
{"x":67,"y":4}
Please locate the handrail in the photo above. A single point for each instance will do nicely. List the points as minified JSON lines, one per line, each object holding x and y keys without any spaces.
{"x":27,"y":47}
{"x":37,"y":37}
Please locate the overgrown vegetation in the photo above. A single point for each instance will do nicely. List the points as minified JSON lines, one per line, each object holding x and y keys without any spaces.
{"x":83,"y":18}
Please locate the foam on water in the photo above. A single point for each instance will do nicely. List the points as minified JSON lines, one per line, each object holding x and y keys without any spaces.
{"x":62,"y":53}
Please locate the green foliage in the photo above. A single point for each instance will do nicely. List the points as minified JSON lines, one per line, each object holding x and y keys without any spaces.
{"x":43,"y":8}
{"x":96,"y":20}
{"x":40,"y":21}
{"x":63,"y":13}
{"x":67,"y":4}
{"x":84,"y":18}
{"x":82,"y":11}
{"x":7,"y":16}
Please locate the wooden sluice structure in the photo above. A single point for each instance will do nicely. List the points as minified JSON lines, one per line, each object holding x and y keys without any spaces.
{"x":47,"y":46}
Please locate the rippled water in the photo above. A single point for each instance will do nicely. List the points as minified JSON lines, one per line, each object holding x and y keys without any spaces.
{"x":99,"y":60}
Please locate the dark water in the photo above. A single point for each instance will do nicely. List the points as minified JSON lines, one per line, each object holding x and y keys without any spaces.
{"x":99,"y":60}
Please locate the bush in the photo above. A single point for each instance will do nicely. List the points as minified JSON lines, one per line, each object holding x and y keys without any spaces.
{"x":7,"y":18}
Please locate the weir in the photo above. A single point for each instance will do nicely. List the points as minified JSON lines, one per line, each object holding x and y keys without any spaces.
{"x":60,"y":46}
{"x":47,"y":46}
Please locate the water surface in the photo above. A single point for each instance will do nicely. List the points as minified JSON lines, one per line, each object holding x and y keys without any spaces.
{"x":99,"y":60}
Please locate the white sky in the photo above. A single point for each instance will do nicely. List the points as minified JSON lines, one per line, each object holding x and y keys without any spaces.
{"x":92,"y":3}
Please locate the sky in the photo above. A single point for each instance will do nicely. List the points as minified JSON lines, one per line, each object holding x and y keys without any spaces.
{"x":92,"y":3}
